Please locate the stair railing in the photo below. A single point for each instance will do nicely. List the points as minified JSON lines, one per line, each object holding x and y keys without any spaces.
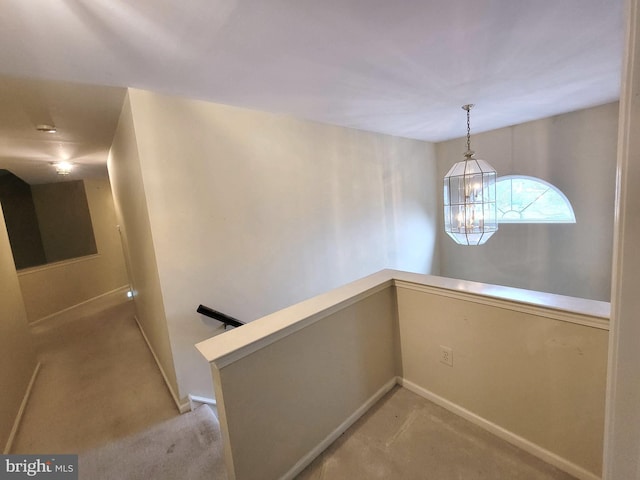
{"x":221,"y":317}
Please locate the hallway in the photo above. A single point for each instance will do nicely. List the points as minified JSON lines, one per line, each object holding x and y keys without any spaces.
{"x":98,"y":382}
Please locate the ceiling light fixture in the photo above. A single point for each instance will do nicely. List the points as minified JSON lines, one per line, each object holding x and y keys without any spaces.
{"x":46,"y":128}
{"x":470,"y":198}
{"x":63,"y":168}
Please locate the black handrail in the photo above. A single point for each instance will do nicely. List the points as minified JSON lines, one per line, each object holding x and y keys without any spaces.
{"x":221,"y":317}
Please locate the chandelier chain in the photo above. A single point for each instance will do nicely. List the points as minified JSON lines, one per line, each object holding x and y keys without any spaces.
{"x":468,"y":130}
{"x":469,"y":153}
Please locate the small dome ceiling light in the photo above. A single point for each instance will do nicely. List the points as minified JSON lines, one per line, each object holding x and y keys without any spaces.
{"x":63,"y":168}
{"x":46,"y":128}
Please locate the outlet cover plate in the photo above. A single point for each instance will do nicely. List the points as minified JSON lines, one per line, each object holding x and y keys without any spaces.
{"x":446,"y":355}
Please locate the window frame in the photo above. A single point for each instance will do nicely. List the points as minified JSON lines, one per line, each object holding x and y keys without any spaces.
{"x":549,"y":186}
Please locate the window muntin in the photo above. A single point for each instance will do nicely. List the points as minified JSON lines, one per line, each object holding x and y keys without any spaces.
{"x":522,"y":199}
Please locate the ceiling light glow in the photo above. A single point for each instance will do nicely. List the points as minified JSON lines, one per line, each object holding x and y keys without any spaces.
{"x":63,"y":168}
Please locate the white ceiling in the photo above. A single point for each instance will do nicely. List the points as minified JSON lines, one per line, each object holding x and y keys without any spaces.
{"x":86,"y":117}
{"x":400,"y":67}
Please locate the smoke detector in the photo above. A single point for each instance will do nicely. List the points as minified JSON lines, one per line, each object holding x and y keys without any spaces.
{"x":46,"y":128}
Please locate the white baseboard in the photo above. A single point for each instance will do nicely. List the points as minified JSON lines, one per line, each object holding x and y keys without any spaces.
{"x":95,"y":304}
{"x":343,"y":427}
{"x":23,"y":405}
{"x":183,"y":407}
{"x":195,"y":401}
{"x":522,"y":443}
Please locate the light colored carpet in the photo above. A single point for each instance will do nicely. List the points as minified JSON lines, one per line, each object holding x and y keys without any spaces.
{"x":405,"y":437}
{"x":98,"y":383}
{"x":185,"y":447}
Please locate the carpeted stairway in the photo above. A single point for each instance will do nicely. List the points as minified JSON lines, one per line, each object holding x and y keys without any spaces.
{"x":188,"y":446}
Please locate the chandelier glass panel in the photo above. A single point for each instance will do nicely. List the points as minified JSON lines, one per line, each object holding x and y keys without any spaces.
{"x":470,"y":216}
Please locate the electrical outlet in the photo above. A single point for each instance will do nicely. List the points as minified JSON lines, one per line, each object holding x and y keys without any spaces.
{"x":446,"y":355}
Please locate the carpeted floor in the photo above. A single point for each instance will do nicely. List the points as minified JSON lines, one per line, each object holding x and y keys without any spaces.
{"x":100,"y":394}
{"x":186,"y":447}
{"x":405,"y":437}
{"x":98,"y":383}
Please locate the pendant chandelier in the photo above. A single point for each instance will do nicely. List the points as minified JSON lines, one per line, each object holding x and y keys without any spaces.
{"x":470,"y":198}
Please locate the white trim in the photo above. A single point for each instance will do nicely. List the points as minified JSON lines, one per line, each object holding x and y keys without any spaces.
{"x":552,"y":301}
{"x":222,"y":350}
{"x":54,"y":265}
{"x":621,"y":440}
{"x":343,"y":427}
{"x":100,"y":302}
{"x":183,"y":407}
{"x":522,"y":443}
{"x":195,"y":401}
{"x":513,"y":305}
{"x":510,"y":178}
{"x":23,"y":406}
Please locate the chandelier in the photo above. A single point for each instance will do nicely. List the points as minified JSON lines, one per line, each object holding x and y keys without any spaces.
{"x":470,"y":198}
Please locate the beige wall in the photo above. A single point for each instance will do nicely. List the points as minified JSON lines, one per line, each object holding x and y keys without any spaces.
{"x":576,"y":152}
{"x":540,"y":378}
{"x":18,"y":356}
{"x":52,"y":288}
{"x":251,"y":212}
{"x":131,"y":209}
{"x":281,"y":401}
{"x":533,"y":374}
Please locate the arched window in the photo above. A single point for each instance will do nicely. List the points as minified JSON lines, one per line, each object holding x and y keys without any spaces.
{"x":522,"y":199}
